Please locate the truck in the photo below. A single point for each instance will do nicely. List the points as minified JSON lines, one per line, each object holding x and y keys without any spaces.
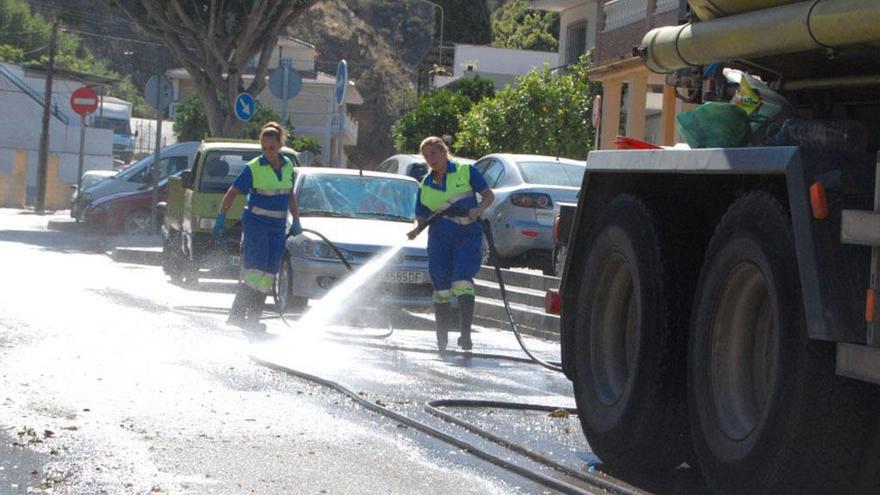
{"x":718,"y":306}
{"x":194,"y":196}
{"x":115,"y":114}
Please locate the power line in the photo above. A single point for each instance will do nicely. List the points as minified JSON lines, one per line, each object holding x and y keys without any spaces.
{"x":107,"y":36}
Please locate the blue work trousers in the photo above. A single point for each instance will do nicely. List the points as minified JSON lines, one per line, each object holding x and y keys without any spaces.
{"x":262,"y":249}
{"x":454,"y":253}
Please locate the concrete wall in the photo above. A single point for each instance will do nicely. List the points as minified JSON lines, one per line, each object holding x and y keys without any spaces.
{"x":20,"y":127}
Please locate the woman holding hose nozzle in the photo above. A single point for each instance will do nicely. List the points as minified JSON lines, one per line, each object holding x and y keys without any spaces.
{"x":454,"y":241}
{"x":268,"y":182}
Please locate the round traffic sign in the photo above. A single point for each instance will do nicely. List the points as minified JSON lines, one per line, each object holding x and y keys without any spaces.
{"x":245,"y":106}
{"x":84,"y":101}
{"x":159,"y":93}
{"x":341,"y":81}
{"x":276,"y":82}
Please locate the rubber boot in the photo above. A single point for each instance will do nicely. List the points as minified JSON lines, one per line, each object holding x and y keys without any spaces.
{"x":255,"y":310}
{"x":466,"y":317}
{"x":237,"y":313}
{"x":442,"y":315}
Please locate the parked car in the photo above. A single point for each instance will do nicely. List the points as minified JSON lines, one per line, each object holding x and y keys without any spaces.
{"x":412,"y":165}
{"x":125,"y":213}
{"x":193,"y":202}
{"x":361,"y":214}
{"x":527,"y":191}
{"x":172,"y":159}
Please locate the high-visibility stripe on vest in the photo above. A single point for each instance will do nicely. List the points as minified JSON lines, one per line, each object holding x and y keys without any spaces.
{"x":267,"y":183}
{"x":458,"y":187}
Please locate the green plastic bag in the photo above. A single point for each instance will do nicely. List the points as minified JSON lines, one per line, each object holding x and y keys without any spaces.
{"x":714,"y":125}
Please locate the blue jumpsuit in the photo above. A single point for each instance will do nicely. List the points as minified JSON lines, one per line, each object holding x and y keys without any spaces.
{"x":454,"y":250}
{"x":264,"y":223}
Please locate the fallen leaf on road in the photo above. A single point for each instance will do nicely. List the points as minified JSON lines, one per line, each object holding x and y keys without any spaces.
{"x":559,"y":413}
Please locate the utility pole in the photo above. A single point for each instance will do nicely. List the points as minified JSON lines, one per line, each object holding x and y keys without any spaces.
{"x":43,"y":159}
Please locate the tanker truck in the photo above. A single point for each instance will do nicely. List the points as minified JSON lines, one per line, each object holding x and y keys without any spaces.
{"x":719,"y":304}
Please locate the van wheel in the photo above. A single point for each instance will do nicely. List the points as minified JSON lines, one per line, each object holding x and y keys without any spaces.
{"x":630,"y":342}
{"x":768,"y":414}
{"x":284,"y":298}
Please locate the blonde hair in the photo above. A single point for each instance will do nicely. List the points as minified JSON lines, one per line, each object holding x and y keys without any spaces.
{"x":273,"y":130}
{"x":435,"y":142}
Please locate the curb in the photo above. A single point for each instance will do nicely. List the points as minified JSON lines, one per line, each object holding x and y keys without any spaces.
{"x":138,"y":256}
{"x":63,"y":225}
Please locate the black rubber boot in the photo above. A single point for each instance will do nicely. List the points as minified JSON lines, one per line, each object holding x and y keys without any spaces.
{"x":255,"y":310}
{"x":442,"y":316}
{"x":466,"y":317}
{"x":238,"y":311}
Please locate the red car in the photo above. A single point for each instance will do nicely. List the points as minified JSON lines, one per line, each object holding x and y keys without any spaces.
{"x":124,"y":213}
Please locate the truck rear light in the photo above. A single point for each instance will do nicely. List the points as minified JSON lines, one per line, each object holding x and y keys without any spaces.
{"x":540,"y":201}
{"x":530,"y":233}
{"x":552,"y":302}
{"x":870,"y":301}
{"x":818,"y":201}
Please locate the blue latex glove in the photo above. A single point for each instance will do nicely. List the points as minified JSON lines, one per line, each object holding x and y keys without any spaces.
{"x":295,"y":227}
{"x":219,"y":224}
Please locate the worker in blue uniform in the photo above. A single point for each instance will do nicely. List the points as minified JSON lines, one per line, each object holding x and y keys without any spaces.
{"x":455,"y":240}
{"x":268,"y":182}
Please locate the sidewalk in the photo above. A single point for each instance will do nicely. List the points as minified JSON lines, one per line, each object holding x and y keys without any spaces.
{"x":140,"y":249}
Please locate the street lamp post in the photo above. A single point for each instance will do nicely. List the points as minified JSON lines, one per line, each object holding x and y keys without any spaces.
{"x":441,"y":28}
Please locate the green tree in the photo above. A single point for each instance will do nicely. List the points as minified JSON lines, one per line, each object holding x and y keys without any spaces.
{"x":543,"y":114}
{"x":304,"y":143}
{"x":191,"y":123}
{"x":436,"y":115}
{"x":475,"y":88}
{"x":215,"y":42}
{"x":514,"y":25}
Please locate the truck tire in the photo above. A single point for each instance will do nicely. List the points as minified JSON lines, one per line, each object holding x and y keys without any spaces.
{"x":768,"y":415}
{"x":630,"y":343}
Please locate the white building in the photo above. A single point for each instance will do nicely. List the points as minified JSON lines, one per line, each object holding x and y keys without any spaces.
{"x":21,"y":116}
{"x":312,"y":111}
{"x":501,"y":65}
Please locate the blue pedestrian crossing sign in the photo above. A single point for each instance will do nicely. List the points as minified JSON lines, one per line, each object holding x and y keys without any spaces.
{"x":245,"y":107}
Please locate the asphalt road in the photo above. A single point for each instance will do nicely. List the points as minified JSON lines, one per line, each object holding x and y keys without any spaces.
{"x":116,"y":381}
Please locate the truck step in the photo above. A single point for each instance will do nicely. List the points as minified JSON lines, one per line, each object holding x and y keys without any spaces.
{"x":517,"y":278}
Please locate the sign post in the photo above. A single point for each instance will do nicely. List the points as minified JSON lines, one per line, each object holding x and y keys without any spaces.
{"x":285,"y":83}
{"x":341,"y":90}
{"x":159,"y":94}
{"x":83,"y":101}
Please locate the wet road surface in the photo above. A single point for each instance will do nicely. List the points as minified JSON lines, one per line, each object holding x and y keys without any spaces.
{"x":116,"y":381}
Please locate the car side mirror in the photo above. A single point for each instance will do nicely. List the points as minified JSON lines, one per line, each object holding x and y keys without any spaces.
{"x":186,"y":179}
{"x":162,"y":206}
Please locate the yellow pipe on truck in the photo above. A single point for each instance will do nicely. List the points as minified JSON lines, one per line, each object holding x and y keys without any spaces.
{"x":711,"y":9}
{"x":780,"y":30}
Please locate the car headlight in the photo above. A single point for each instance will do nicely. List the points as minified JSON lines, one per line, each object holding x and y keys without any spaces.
{"x":320,"y":250}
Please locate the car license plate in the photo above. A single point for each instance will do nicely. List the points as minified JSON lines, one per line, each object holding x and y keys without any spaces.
{"x":404,"y":277}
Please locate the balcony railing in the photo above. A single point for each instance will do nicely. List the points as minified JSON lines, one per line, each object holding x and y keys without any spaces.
{"x":619,"y":13}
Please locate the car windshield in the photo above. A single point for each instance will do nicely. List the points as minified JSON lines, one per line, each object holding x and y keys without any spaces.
{"x":89,"y":180}
{"x":552,"y":173}
{"x":221,"y":167}
{"x":353,"y":196}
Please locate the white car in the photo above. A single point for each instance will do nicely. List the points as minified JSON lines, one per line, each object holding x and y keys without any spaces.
{"x":362,"y":214}
{"x":412,"y":165}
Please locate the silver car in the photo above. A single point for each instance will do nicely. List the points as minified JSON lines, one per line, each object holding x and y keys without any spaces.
{"x":412,"y":165}
{"x":362,"y":214}
{"x":527,"y":189}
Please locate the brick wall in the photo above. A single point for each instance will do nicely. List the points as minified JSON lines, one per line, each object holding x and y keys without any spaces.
{"x":617,"y":44}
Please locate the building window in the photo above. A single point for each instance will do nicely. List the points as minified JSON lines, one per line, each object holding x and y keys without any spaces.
{"x":575,"y":41}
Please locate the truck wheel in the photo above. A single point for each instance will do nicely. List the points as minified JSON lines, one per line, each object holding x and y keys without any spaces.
{"x":768,"y":414}
{"x":629,"y":365}
{"x":284,"y":298}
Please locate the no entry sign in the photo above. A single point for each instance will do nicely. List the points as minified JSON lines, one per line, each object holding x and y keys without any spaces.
{"x":84,"y":101}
